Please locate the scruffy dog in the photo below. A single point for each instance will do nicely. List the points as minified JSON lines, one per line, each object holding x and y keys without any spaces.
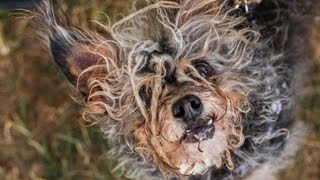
{"x":188,"y":89}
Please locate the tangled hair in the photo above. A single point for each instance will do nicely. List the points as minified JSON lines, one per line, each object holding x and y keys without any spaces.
{"x":252,"y":83}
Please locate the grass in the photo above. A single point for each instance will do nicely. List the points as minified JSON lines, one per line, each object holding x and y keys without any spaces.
{"x":42,"y":134}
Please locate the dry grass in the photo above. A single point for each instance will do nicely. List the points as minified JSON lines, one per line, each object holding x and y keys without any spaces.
{"x":42,"y":135}
{"x":307,"y":162}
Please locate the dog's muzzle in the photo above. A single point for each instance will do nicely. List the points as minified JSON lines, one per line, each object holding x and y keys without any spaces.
{"x":189,"y":110}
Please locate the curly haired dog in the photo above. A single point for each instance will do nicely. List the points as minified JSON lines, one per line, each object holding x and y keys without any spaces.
{"x":189,"y":89}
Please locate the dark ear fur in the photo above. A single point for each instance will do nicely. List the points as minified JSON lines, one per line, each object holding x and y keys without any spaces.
{"x":74,"y":51}
{"x":76,"y":57}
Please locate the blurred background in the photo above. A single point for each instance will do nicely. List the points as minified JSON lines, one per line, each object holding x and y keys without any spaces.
{"x":42,"y":134}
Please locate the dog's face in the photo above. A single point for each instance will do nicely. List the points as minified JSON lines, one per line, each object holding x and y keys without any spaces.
{"x":190,"y":106}
{"x":169,"y":80}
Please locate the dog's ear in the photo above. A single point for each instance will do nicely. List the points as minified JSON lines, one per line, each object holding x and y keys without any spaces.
{"x":80,"y":54}
{"x":80,"y":57}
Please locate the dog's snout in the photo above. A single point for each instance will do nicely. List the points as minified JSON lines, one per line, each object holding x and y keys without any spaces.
{"x":188,"y":108}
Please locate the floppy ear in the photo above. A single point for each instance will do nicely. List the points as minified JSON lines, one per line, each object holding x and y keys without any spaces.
{"x":80,"y":54}
{"x":80,"y":57}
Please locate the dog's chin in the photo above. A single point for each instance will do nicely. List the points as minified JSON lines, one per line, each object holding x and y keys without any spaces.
{"x":201,"y":131}
{"x":202,"y":149}
{"x":196,"y":147}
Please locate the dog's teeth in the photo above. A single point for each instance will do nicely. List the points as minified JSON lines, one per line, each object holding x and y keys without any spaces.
{"x":188,"y":131}
{"x":210,"y":122}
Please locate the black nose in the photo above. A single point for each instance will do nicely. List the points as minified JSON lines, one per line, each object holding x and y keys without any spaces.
{"x":188,"y":108}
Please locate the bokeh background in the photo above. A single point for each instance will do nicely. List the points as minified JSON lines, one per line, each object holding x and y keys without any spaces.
{"x":42,"y":134}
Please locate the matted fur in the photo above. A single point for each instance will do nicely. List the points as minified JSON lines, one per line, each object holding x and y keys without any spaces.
{"x":248,"y":96}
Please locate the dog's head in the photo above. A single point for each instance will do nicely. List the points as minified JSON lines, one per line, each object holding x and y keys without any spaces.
{"x":170,"y":79}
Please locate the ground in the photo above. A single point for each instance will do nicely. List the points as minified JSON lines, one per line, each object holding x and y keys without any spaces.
{"x":42,"y":133}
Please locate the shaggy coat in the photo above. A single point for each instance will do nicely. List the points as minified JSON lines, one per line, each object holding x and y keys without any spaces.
{"x":239,"y":58}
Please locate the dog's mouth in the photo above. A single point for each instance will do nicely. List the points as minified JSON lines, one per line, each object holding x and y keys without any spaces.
{"x":200,"y":131}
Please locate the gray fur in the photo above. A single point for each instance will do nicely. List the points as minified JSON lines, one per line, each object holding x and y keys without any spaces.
{"x":258,"y":66}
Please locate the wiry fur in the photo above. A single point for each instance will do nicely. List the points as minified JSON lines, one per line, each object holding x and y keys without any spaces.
{"x":249,"y":94}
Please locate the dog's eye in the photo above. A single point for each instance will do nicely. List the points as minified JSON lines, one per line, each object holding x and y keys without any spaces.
{"x":145,"y":94}
{"x":204,"y":69}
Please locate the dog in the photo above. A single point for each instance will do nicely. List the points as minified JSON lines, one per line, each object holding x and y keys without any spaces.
{"x":189,"y":89}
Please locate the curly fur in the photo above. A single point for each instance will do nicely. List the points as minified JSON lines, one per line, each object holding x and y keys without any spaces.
{"x":250,"y":93}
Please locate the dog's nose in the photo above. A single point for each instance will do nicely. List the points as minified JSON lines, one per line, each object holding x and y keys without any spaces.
{"x":188,"y":108}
